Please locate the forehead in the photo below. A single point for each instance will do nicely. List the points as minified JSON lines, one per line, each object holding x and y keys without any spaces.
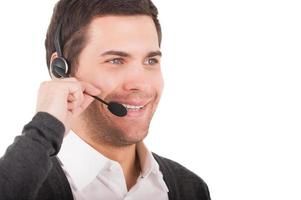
{"x":127,"y":31}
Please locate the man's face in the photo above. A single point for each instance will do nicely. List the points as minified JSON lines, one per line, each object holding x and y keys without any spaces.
{"x":122,"y":59}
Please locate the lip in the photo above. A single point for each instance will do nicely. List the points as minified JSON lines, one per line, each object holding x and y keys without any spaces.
{"x":134,"y":103}
{"x":138,"y":112}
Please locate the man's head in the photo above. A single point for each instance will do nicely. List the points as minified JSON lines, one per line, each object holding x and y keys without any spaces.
{"x":115,"y":45}
{"x":76,"y":16}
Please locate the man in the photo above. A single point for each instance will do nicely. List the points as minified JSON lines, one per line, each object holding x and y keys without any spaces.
{"x":113,"y":51}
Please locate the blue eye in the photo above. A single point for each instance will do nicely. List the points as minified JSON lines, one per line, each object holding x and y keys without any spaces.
{"x":152,"y":61}
{"x":116,"y":61}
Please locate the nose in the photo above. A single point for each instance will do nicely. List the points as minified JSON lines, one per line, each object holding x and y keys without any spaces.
{"x":137,"y":79}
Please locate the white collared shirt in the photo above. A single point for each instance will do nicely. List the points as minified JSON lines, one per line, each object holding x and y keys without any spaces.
{"x":93,"y":176}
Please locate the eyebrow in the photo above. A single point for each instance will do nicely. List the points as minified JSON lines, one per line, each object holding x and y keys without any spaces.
{"x":154,"y":53}
{"x":124,"y":54}
{"x":115,"y":53}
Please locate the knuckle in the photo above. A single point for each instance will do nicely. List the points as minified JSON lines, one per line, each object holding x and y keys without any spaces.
{"x":78,"y":86}
{"x":72,"y":79}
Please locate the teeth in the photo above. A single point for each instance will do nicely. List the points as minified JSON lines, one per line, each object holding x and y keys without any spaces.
{"x":132,"y":107}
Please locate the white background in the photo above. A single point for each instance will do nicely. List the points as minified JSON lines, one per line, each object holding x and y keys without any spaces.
{"x":231,"y":109}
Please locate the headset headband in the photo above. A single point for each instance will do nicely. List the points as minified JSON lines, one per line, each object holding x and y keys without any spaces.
{"x":57,"y":39}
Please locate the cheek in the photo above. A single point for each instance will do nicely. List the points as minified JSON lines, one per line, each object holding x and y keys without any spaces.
{"x":159,"y":82}
{"x":108,"y":83}
{"x":100,"y":78}
{"x":112,"y":79}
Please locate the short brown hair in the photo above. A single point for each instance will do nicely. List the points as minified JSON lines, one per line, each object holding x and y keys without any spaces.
{"x":76,"y":15}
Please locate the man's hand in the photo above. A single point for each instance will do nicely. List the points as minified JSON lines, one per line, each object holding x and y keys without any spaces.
{"x":65,"y":98}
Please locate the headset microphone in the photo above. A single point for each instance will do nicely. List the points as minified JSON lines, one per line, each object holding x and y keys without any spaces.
{"x":59,"y":68}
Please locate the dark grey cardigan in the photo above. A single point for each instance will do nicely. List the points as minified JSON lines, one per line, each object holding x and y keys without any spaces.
{"x":30,"y":170}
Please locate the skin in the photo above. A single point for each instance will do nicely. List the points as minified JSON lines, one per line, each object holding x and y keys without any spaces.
{"x":120,"y":62}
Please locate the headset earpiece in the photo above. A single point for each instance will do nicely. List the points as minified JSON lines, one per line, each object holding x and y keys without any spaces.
{"x":59,"y":67}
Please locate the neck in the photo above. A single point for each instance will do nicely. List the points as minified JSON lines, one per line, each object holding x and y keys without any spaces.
{"x":126,"y":156}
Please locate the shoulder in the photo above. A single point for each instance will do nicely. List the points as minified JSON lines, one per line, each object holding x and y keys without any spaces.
{"x":181,"y":179}
{"x":56,"y":185}
{"x":176,"y":169}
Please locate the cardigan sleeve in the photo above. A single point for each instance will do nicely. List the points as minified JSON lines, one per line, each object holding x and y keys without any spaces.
{"x":27,"y":162}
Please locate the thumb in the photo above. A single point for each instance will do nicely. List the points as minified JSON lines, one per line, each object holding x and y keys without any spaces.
{"x":88,"y":91}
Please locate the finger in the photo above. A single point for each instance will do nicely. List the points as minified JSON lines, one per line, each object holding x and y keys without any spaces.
{"x":88,"y":88}
{"x":71,"y":98}
{"x":74,"y":87}
{"x":78,"y":99}
{"x":70,"y":79}
{"x":85,"y":87}
{"x":87,"y":101}
{"x":71,"y":106}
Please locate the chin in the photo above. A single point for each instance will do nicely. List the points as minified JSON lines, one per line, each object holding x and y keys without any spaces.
{"x":132,"y":134}
{"x":118,"y":131}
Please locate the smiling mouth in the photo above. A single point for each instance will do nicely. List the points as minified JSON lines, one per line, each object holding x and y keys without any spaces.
{"x":133,"y":107}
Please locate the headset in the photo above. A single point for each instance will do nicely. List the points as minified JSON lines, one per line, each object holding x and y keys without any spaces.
{"x":59,"y":68}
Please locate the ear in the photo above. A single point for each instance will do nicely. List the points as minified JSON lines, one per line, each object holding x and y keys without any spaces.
{"x":53,"y":56}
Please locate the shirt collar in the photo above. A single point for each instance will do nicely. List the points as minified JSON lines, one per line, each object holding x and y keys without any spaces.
{"x":83,"y":163}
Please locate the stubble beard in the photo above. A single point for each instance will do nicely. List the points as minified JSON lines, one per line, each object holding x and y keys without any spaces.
{"x":101,"y":129}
